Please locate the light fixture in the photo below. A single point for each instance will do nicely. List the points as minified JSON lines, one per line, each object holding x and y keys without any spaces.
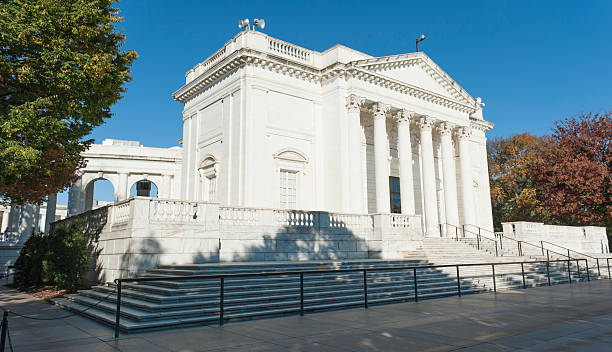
{"x":242,"y":24}
{"x":259,"y":22}
{"x":418,"y":40}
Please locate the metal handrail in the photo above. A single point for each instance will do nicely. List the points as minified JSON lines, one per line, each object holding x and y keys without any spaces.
{"x":365,"y":271}
{"x":478,"y":235}
{"x":582,"y":254}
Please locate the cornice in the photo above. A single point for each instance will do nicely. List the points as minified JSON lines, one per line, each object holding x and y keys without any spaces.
{"x":427,"y":64}
{"x":269,"y":61}
{"x":481,"y":125}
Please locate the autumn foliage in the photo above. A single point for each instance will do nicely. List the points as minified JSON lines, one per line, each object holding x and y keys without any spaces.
{"x":562,"y":178}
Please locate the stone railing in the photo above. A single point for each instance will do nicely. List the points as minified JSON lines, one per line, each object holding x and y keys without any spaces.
{"x":175,"y":211}
{"x":91,"y":222}
{"x":296,"y":218}
{"x":205,"y":65}
{"x":292,"y":51}
{"x":240,"y":216}
{"x":121,"y":212}
{"x":350,"y":221}
{"x":401,"y":221}
{"x":8,"y":238}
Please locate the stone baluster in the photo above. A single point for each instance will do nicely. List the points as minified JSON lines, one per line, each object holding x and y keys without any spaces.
{"x":353,"y":105}
{"x":448,"y":173}
{"x":381,"y":157}
{"x":463,"y":137}
{"x":429,"y":177}
{"x":405,"y":161}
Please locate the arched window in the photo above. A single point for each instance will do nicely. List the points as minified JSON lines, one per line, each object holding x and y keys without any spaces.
{"x":144,"y":188}
{"x":290,"y":166}
{"x":208,"y":178}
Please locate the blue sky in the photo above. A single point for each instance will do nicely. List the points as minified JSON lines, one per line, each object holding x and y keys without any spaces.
{"x":532,"y":62}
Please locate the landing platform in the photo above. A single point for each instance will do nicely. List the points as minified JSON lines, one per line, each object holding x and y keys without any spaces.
{"x":574,"y":317}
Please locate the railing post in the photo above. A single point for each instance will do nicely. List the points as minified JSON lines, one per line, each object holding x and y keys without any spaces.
{"x":496,"y":254}
{"x":542,"y":246}
{"x":118,"y":309}
{"x":301,"y":293}
{"x":365,"y":288}
{"x":523,"y":273}
{"x":598,"y":269}
{"x":478,"y":242}
{"x":4,"y":328}
{"x":416,"y":291}
{"x":568,"y":253}
{"x":458,"y":282}
{"x":586,"y":262}
{"x":221,"y":299}
{"x":548,"y":266}
{"x":608,"y":263}
{"x":569,"y":272}
{"x":463,"y":229}
{"x":494,"y":284}
{"x":578,"y":268}
{"x":456,"y":233}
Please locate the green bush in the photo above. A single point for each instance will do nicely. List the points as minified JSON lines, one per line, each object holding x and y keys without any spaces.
{"x":61,"y":259}
{"x":29,"y":265}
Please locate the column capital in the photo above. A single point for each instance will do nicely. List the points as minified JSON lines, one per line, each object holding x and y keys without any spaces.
{"x":425,"y":122}
{"x":445,"y":128}
{"x":464,"y":133}
{"x":404,"y":116}
{"x":379,"y":110}
{"x":354,"y":103}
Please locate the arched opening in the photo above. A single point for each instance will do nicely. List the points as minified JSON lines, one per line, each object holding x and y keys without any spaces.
{"x":143,"y":188}
{"x":98,"y":193}
{"x":208,"y":179}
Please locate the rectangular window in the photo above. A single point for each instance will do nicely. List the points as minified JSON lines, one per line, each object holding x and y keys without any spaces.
{"x":288,"y":189}
{"x":212,"y":188}
{"x":394,"y":189}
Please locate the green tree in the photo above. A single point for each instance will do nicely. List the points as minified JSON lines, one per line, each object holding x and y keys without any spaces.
{"x":61,"y":69}
{"x":513,"y":191}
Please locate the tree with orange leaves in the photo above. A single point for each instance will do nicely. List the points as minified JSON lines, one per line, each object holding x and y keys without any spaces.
{"x":513,"y":192}
{"x":573,"y":171}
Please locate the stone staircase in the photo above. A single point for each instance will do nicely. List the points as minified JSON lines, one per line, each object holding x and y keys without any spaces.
{"x":174,"y":303}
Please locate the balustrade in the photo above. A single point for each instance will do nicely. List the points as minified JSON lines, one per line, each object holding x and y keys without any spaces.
{"x":290,"y":50}
{"x":295,"y":218}
{"x":400,"y":221}
{"x":240,"y":216}
{"x":175,"y":211}
{"x":121,"y":212}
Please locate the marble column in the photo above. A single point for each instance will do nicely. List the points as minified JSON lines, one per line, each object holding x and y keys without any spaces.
{"x":429,"y":177}
{"x":449,"y":175}
{"x":50,"y":213}
{"x":356,"y":197}
{"x":467,"y":204}
{"x":76,"y":198}
{"x":28,"y":221}
{"x":381,"y":158}
{"x":405,"y":161}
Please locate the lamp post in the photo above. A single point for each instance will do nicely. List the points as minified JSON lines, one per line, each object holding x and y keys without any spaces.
{"x":418,"y":40}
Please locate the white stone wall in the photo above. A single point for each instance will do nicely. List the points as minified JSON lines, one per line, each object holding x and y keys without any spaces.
{"x":583,"y":239}
{"x":142,"y":233}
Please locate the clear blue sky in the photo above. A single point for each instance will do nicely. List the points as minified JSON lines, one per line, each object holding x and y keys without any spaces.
{"x":532,"y":62}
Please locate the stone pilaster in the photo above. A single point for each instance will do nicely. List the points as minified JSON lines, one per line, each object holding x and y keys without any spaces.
{"x":403,"y":118}
{"x":357,"y":196}
{"x":381,"y":157}
{"x":449,"y":175}
{"x":429,"y":177}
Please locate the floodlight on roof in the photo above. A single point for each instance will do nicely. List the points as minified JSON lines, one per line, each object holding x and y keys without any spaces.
{"x":259,"y":22}
{"x":242,"y":24}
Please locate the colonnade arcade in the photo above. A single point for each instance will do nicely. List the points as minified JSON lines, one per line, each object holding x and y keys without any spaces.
{"x":457,"y":207}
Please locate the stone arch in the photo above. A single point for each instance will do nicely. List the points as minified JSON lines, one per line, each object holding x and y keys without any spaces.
{"x":89,"y":189}
{"x":291,"y":154}
{"x":208,"y":169}
{"x":153,"y":190}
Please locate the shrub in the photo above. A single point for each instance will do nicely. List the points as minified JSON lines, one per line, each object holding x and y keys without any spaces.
{"x":29,"y":267}
{"x":61,"y":259}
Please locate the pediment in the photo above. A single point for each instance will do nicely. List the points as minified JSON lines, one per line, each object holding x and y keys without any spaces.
{"x":418,"y":70}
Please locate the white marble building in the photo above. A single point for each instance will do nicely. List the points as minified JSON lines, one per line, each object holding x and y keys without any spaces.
{"x":270,"y":124}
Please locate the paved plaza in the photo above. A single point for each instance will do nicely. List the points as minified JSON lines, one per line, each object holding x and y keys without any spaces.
{"x":559,"y":318}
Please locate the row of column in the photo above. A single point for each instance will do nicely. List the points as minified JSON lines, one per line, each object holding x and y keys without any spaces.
{"x":425,"y":125}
